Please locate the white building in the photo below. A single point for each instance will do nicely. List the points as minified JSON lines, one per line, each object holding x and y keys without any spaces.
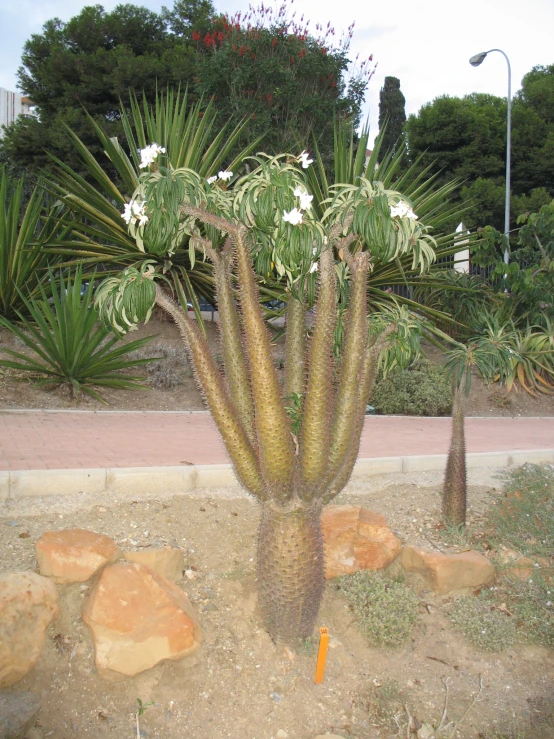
{"x":12,"y":104}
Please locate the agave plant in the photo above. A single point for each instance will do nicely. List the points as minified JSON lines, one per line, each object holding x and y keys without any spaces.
{"x":68,"y":346}
{"x":292,"y":448}
{"x":185,"y":136}
{"x":532,"y":360}
{"x":25,"y":229}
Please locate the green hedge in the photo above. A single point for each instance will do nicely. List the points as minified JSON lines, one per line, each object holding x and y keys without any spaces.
{"x":420,"y":390}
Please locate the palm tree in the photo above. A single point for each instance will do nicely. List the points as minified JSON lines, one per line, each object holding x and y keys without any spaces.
{"x":268,"y":220}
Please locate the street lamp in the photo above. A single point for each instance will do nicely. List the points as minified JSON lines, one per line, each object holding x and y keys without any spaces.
{"x":475,"y":61}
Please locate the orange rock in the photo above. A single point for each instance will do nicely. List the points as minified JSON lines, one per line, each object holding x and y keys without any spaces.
{"x":137,"y":619}
{"x":168,"y":563}
{"x":355,"y":538}
{"x":28,"y":604}
{"x":74,"y":555}
{"x":446,"y":572}
{"x":522,"y":567}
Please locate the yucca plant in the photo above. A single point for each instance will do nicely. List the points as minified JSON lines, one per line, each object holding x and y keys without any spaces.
{"x":490,"y":355}
{"x":189,"y":137}
{"x":68,"y":345}
{"x":294,"y":457}
{"x":25,"y":228}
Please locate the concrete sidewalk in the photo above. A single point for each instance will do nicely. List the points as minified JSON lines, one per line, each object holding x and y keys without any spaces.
{"x":52,"y":452}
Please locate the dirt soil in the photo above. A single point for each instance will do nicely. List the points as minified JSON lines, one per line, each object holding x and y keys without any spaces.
{"x":239,"y":684}
{"x":171,"y":384}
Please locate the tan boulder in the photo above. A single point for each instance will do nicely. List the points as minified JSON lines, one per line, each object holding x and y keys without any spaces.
{"x":522,"y":567}
{"x":28,"y":604}
{"x":74,"y":555}
{"x":355,"y":538}
{"x":168,"y":563}
{"x":446,"y":572}
{"x":137,"y":619}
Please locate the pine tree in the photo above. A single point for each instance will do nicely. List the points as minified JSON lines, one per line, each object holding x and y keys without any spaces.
{"x":392,"y":112}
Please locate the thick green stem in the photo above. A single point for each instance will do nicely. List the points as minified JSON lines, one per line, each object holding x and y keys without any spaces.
{"x":295,"y":347}
{"x":318,"y":401}
{"x":275,"y":442}
{"x":223,"y":410}
{"x":355,"y":341}
{"x":367,"y":381}
{"x":236,"y":371}
{"x":290,"y":569}
{"x":454,"y":496}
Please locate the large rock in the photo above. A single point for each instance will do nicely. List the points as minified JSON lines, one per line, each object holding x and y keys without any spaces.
{"x":168,"y":563}
{"x":74,"y":555}
{"x":523,"y":568}
{"x":18,"y":711}
{"x":355,"y":538}
{"x":28,"y":604}
{"x":446,"y":572}
{"x":138,"y":619}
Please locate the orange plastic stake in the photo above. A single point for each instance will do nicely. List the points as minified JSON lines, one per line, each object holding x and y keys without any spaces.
{"x":321,"y":655}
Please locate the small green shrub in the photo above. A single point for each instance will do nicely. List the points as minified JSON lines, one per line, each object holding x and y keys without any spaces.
{"x":169,"y":371}
{"x":421,"y":390}
{"x":483,"y":623}
{"x":386,"y":610}
{"x":524,"y":519}
{"x":532,"y":603}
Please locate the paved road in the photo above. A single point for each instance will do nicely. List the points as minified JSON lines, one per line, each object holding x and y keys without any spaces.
{"x":40,"y":440}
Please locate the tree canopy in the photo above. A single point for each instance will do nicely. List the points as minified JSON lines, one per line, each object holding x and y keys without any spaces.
{"x":90,"y":63}
{"x":293,"y":83}
{"x":465,"y":138}
{"x":264,"y":65}
{"x":391,"y":112}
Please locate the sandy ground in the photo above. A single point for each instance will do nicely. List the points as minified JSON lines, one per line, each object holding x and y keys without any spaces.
{"x":239,"y":684}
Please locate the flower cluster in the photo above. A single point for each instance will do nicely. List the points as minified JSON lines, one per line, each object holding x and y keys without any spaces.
{"x":304,"y":160}
{"x":149,"y":155}
{"x":223,"y":175}
{"x":294,"y":217}
{"x":133,"y":212}
{"x":402,"y":210}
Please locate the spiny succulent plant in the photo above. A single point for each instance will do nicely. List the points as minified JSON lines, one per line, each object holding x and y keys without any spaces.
{"x":490,"y":355}
{"x":262,"y":227}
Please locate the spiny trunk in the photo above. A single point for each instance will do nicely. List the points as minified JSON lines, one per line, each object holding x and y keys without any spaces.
{"x":290,"y":569}
{"x":454,"y":496}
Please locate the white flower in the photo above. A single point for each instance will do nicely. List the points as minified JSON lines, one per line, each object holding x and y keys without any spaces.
{"x":402,"y":210}
{"x":304,"y":160}
{"x":294,"y":217}
{"x":149,"y":155}
{"x":548,"y":603}
{"x":305,"y":199}
{"x":127,"y":212}
{"x":133,"y":212}
{"x":211,"y":180}
{"x":225,"y":176}
{"x":314,"y":267}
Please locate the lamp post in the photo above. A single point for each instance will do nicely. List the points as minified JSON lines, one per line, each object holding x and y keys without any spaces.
{"x":475,"y":61}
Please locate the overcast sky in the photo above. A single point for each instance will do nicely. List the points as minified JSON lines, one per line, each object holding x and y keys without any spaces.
{"x":425,"y":44}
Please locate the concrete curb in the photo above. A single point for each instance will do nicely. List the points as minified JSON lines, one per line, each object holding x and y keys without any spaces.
{"x":140,"y":481}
